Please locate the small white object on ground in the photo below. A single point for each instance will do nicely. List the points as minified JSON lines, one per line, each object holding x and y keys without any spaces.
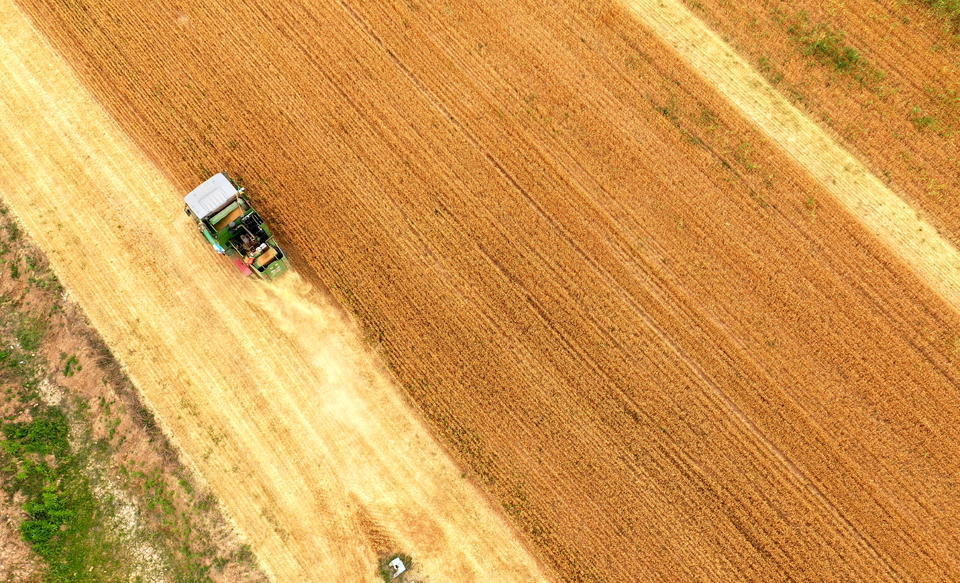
{"x":397,"y":566}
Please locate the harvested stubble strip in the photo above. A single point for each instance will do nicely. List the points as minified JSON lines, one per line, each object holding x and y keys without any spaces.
{"x":906,"y":127}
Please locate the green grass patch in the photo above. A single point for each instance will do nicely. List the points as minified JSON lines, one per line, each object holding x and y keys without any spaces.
{"x":19,"y":369}
{"x":46,"y":281}
{"x":669,"y":109}
{"x":45,"y":434}
{"x":185,"y":485}
{"x":947,"y":8}
{"x":71,"y":364}
{"x":29,"y":332}
{"x":828,"y":46}
{"x":13,"y":231}
{"x":48,"y":513}
{"x":64,"y":523}
{"x":922,"y":121}
{"x":773,"y":75}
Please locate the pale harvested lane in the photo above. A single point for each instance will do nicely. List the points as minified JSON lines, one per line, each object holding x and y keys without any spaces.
{"x":864,"y":195}
{"x":264,"y":388}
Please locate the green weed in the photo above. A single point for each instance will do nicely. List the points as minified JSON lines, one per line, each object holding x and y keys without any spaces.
{"x":63,"y":524}
{"x":769,"y":71}
{"x":112,"y":428}
{"x":13,"y":232}
{"x":947,"y":8}
{"x":45,"y":434}
{"x":71,"y":366}
{"x":828,"y":46}
{"x":707,"y":118}
{"x":668,"y":110}
{"x":922,"y":121}
{"x":47,"y":514}
{"x":29,"y":333}
{"x":46,"y":281}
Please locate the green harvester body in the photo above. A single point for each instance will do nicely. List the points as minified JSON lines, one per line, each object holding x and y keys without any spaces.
{"x":234,"y":228}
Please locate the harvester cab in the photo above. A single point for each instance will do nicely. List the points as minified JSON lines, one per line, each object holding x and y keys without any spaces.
{"x":233,"y":228}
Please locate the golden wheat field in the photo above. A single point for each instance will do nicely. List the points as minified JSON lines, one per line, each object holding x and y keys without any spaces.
{"x":585,"y":291}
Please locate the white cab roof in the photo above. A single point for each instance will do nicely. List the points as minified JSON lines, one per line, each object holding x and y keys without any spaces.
{"x":211,"y":196}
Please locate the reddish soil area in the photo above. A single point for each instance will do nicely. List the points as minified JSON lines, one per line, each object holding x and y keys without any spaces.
{"x":645,"y":332}
{"x":163,"y":524}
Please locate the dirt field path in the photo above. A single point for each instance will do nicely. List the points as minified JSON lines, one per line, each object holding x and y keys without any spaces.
{"x":264,"y":388}
{"x":887,"y":215}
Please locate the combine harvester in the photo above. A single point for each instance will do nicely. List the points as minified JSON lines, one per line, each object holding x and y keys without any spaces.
{"x":234,"y":228}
